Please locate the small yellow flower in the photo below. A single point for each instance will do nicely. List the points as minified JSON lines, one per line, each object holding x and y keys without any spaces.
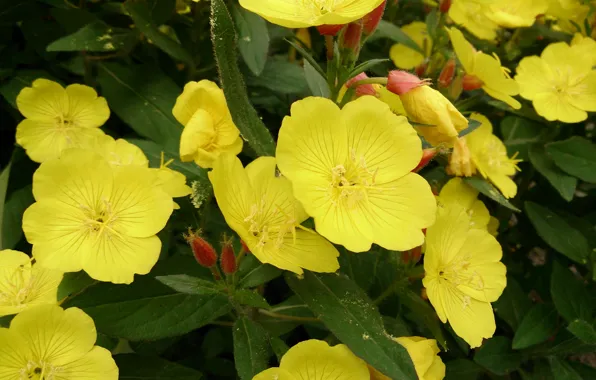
{"x":46,"y":342}
{"x":316,"y":360}
{"x":456,"y":192}
{"x":516,"y":13}
{"x":58,"y":118}
{"x":92,"y":216}
{"x":486,"y":69}
{"x":424,"y":355}
{"x":208,"y":126}
{"x":406,"y":58}
{"x":463,"y":274}
{"x":560,"y":83}
{"x":351,"y":169}
{"x":305,"y":13}
{"x":23,"y":284}
{"x":260,"y":207}
{"x":472,"y":15}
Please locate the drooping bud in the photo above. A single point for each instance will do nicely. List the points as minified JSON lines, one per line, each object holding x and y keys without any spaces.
{"x":427,"y":156}
{"x":445,"y":5}
{"x":363,"y":89}
{"x":471,"y":82}
{"x":329,"y":30}
{"x":372,"y":20}
{"x":352,"y":37}
{"x":401,"y":82}
{"x":446,"y":75}
{"x":460,"y":163}
{"x":228,"y":258}
{"x":201,"y":249}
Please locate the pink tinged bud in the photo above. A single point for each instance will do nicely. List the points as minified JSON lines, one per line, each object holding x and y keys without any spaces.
{"x":329,"y":30}
{"x":363,"y":89}
{"x":446,"y":75}
{"x":352,"y":36}
{"x":427,"y":156}
{"x":371,"y":20}
{"x":401,"y":82}
{"x":445,"y":5}
{"x":471,"y":82}
{"x":228,"y":258}
{"x":202,"y":250}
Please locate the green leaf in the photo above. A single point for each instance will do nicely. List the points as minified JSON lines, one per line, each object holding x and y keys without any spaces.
{"x":472,"y":126}
{"x":569,"y":295}
{"x":559,"y":234}
{"x":316,"y":82}
{"x":562,"y":182}
{"x":74,"y":283}
{"x":3,"y":187}
{"x":424,"y":315}
{"x":186,"y":284}
{"x":253,"y":38}
{"x":251,"y":348}
{"x":279,"y":347}
{"x":585,"y":371}
{"x":360,"y":267}
{"x":462,"y":369}
{"x":583,"y":330}
{"x":143,"y":98}
{"x":365,"y":66}
{"x":519,"y":134}
{"x":133,"y":366}
{"x":496,"y":356}
{"x":293,"y":306}
{"x":23,"y":78}
{"x":490,"y":191}
{"x":576,"y":156}
{"x":306,"y":55}
{"x":562,"y":370}
{"x":393,"y":32}
{"x":141,"y":14}
{"x":281,"y":76}
{"x":12,"y":219}
{"x":513,"y":304}
{"x":538,"y":325}
{"x":349,"y":314}
{"x":253,"y":273}
{"x":245,"y":117}
{"x":250,"y":298}
{"x":162,"y":10}
{"x":95,"y":37}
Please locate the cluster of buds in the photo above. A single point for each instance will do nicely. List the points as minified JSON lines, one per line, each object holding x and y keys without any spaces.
{"x":207,"y":257}
{"x":368,"y":25}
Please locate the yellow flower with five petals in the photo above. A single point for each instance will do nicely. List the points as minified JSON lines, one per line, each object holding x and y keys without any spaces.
{"x":516,"y":13}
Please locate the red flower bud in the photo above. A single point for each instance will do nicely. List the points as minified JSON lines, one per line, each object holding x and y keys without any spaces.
{"x":363,"y":89}
{"x":446,"y":75}
{"x":421,"y":69}
{"x":427,"y":156}
{"x":471,"y":82}
{"x":372,"y":20}
{"x":244,"y":246}
{"x":329,"y":30}
{"x":445,"y":5}
{"x":228,"y":258}
{"x":352,"y":36}
{"x":412,"y":256}
{"x":201,"y":249}
{"x":401,"y":82}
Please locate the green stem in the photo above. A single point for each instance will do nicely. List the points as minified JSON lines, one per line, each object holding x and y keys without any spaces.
{"x":287,"y":317}
{"x":389,"y":291}
{"x":374,"y":80}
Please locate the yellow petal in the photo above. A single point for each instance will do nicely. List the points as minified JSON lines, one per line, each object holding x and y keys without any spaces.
{"x":553,"y":106}
{"x":204,"y":95}
{"x":274,"y":374}
{"x":14,"y":354}
{"x":405,"y":57}
{"x":120,"y":152}
{"x":97,"y":364}
{"x":172,"y":182}
{"x":45,"y":100}
{"x":445,"y":238}
{"x":463,"y":49}
{"x":423,"y":353}
{"x":471,"y":15}
{"x":197,"y":133}
{"x":85,"y":108}
{"x":583,"y":94}
{"x":534,"y":77}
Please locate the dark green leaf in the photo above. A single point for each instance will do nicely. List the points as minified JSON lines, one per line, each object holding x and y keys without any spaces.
{"x":186,"y":284}
{"x":251,"y":348}
{"x":585,"y":371}
{"x":570,"y":296}
{"x":462,"y":369}
{"x":16,"y":204}
{"x":472,"y":126}
{"x":161,"y":10}
{"x":253,"y":38}
{"x":424,"y":315}
{"x":292,"y":306}
{"x":562,"y":182}
{"x":365,"y":66}
{"x":349,"y":314}
{"x":316,"y":82}
{"x":281,"y":76}
{"x":12,"y":11}
{"x":558,"y":233}
{"x":245,"y":117}
{"x":132,"y":366}
{"x":562,"y":370}
{"x":396,"y":326}
{"x":538,"y":325}
{"x":279,"y":347}
{"x":23,"y":78}
{"x":583,"y":330}
{"x":306,"y":55}
{"x":3,"y":186}
{"x":513,"y":304}
{"x":252,"y":273}
{"x":95,"y":37}
{"x":496,"y":356}
{"x":576,"y":156}
{"x":393,"y":32}
{"x":74,"y":284}
{"x":250,"y":298}
{"x":360,"y":267}
{"x":490,"y":191}
{"x":518,"y":134}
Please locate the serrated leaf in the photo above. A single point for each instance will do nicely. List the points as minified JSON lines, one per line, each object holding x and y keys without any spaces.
{"x":250,"y":298}
{"x":186,"y":284}
{"x":94,"y":37}
{"x":253,"y":38}
{"x":562,"y":182}
{"x":490,"y":191}
{"x":583,"y":330}
{"x":496,"y":356}
{"x":348,"y":312}
{"x":538,"y":325}
{"x":393,"y":32}
{"x":576,"y":156}
{"x":317,"y":83}
{"x":133,"y":366}
{"x":559,"y":234}
{"x":251,"y":348}
{"x":569,"y":295}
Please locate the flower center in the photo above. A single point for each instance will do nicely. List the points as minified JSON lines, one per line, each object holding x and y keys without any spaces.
{"x":38,"y":371}
{"x":458,"y":273}
{"x":319,"y":7}
{"x":269,"y":224}
{"x":99,"y":220}
{"x":350,"y":183}
{"x":16,"y":287}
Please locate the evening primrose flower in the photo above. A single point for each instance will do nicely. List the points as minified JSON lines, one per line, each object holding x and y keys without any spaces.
{"x":208,"y":126}
{"x":560,"y":83}
{"x":424,"y":355}
{"x":425,"y":105}
{"x":260,"y":207}
{"x":463,"y":274}
{"x":585,"y":46}
{"x":407,"y":58}
{"x":516,"y":13}
{"x":456,"y":192}
{"x":91,"y":216}
{"x":351,"y":169}
{"x":472,"y":15}
{"x":48,"y":343}
{"x":57,"y":118}
{"x":305,"y":13}
{"x":484,"y":71}
{"x":23,"y":284}
{"x":316,"y":360}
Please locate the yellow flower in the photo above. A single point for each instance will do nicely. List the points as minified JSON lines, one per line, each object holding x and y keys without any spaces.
{"x":463,"y":274}
{"x":171,"y":181}
{"x":516,"y":13}
{"x":423,"y":353}
{"x":472,"y":15}
{"x":316,"y":360}
{"x":425,"y":105}
{"x":570,"y":14}
{"x":305,"y":13}
{"x":57,"y":118}
{"x":260,"y":207}
{"x":91,"y":216}
{"x":23,"y":284}
{"x":584,"y":46}
{"x":350,"y":169}
{"x":560,"y":83}
{"x":208,"y":126}
{"x":456,"y":192}
{"x":486,"y":70}
{"x":406,"y":58}
{"x":47,"y":343}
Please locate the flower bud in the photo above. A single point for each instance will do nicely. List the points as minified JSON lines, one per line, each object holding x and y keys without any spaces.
{"x":471,"y":82}
{"x":329,"y":30}
{"x":421,"y":69}
{"x":201,"y":249}
{"x":372,"y":20}
{"x":352,"y":37}
{"x":446,"y":75}
{"x":363,"y":89}
{"x":460,"y":163}
{"x":401,"y":82}
{"x":445,"y":5}
{"x":411,"y":256}
{"x":228,"y":258}
{"x":427,"y":156}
